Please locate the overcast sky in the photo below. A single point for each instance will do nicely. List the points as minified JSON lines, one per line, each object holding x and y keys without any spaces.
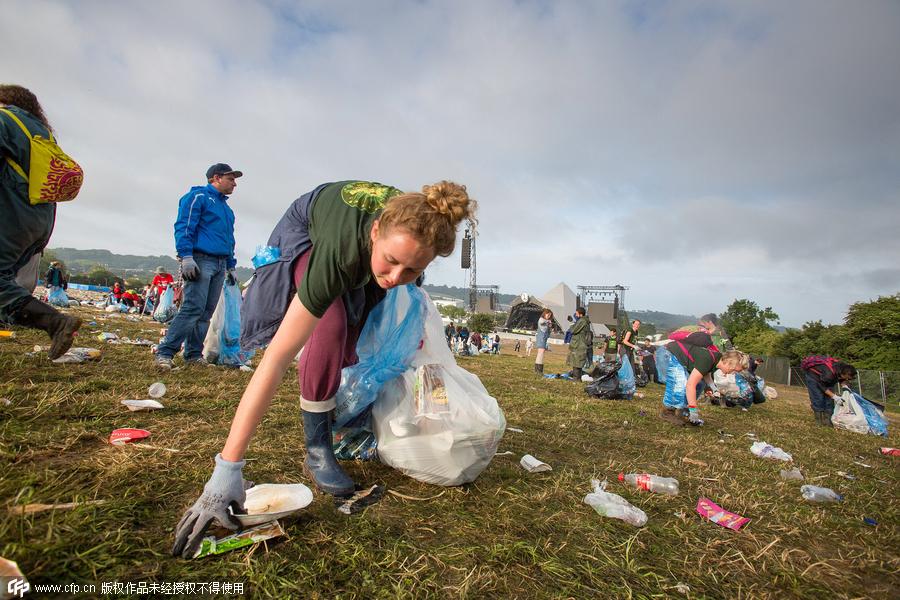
{"x":697,"y":152}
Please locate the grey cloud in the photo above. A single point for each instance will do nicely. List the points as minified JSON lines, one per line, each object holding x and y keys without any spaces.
{"x":594,"y":134}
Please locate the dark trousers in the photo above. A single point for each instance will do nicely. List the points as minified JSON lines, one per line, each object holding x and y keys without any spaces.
{"x":818,"y":399}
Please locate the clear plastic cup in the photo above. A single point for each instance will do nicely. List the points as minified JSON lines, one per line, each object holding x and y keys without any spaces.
{"x":157,"y":390}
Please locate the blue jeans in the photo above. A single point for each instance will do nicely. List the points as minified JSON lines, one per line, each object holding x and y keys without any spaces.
{"x":817,"y":398}
{"x":199,"y":302}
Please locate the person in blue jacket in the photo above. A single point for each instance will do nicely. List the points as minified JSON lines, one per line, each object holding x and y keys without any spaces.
{"x":204,"y":241}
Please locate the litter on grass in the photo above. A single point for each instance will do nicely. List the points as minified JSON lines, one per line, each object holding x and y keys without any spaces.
{"x":79,"y":355}
{"x":766,"y":450}
{"x":885,"y":451}
{"x":120,"y":437}
{"x":846,"y":475}
{"x":359,"y":500}
{"x":269,"y":502}
{"x":517,"y":430}
{"x":210,"y":545}
{"x":533,"y":465}
{"x":157,"y":390}
{"x":139,"y":405}
{"x":792,"y":474}
{"x":614,"y":506}
{"x":708,"y":509}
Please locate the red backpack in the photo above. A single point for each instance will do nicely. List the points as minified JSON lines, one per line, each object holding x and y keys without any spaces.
{"x":817,"y":359}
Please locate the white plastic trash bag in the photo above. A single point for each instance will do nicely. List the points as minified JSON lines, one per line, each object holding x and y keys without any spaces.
{"x":436,"y":422}
{"x":854,"y":413}
{"x":212,"y":344}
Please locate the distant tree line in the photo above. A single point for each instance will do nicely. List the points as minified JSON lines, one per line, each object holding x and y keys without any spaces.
{"x":869,"y":338}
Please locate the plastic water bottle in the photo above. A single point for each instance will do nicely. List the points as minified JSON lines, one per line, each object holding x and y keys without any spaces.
{"x":791,"y":474}
{"x":651,"y":483}
{"x":614,"y":506}
{"x":157,"y":390}
{"x":815,"y":493}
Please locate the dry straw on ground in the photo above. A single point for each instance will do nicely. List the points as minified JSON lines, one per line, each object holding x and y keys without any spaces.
{"x":507,"y":535}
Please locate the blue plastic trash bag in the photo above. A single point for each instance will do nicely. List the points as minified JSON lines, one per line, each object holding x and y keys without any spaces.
{"x":230,"y":335}
{"x":386,"y":348}
{"x":166,"y":308}
{"x":626,"y":379}
{"x":676,"y":385}
{"x":761,"y":384}
{"x":58,"y":297}
{"x":662,"y":362}
{"x":265,"y":255}
{"x":746,"y":392}
{"x":876,"y":420}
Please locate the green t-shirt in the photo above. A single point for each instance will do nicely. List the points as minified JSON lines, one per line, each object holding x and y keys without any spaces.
{"x":700,"y":358}
{"x":339,"y":224}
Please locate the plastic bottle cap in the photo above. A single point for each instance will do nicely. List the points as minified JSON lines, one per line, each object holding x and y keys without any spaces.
{"x":621,"y":476}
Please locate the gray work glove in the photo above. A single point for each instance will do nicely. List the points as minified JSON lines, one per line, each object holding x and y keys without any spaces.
{"x":189,"y":269}
{"x":230,"y":279}
{"x":225,"y":488}
{"x":694,"y":416}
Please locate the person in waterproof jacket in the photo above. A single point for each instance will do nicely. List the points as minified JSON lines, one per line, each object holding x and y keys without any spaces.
{"x":581,"y":344}
{"x":204,"y":241}
{"x":821,"y":377}
{"x":25,"y":228}
{"x":54,"y":277}
{"x":342,"y":246}
{"x":695,"y":360}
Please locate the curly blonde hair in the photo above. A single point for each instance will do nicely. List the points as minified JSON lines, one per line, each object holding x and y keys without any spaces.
{"x":733,"y":359}
{"x":430,"y":216}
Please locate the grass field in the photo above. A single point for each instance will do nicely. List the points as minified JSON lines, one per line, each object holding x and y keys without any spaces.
{"x":507,"y":535}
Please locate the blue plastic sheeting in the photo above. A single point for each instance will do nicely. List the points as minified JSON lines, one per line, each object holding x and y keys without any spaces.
{"x":386,"y":348}
{"x":89,"y":288}
{"x":876,"y":421}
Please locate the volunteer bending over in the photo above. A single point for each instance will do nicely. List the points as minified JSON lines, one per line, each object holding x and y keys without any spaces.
{"x":342,"y":245}
{"x":694,"y":361}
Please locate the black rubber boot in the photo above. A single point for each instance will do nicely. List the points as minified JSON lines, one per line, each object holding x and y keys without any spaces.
{"x":576,"y":374}
{"x":321,"y":464}
{"x":539,"y":369}
{"x":60,"y":327}
{"x":823,"y":418}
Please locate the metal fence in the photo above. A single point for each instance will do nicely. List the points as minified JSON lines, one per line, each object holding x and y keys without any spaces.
{"x":880,"y":386}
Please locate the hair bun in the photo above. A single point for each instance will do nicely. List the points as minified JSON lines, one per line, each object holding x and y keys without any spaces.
{"x":451,"y":200}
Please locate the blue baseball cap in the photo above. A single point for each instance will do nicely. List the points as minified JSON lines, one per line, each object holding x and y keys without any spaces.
{"x":221,"y":169}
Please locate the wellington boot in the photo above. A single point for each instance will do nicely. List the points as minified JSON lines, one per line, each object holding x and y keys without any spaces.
{"x":823,"y":418}
{"x":321,"y":465}
{"x":539,"y":369}
{"x":60,"y":327}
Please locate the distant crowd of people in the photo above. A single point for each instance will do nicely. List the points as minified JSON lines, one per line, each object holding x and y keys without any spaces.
{"x":464,"y":343}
